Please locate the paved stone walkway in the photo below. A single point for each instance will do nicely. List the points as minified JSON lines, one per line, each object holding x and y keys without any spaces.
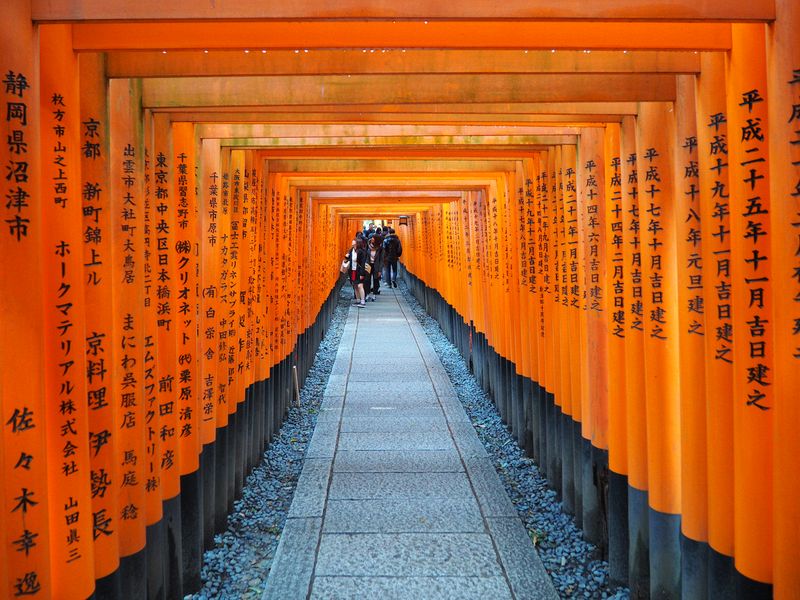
{"x":398,"y":498}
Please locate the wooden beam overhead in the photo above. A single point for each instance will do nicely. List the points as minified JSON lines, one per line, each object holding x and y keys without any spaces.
{"x":442,"y":109}
{"x":342,"y":62}
{"x":389,"y":196}
{"x":400,"y":152}
{"x":334,"y":165}
{"x":494,"y":35}
{"x":259,"y":130}
{"x":520,"y":142}
{"x":654,"y":10}
{"x":410,"y":89}
{"x":409,"y":118}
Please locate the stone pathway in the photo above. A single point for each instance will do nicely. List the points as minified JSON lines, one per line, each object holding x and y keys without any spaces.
{"x":398,"y":498}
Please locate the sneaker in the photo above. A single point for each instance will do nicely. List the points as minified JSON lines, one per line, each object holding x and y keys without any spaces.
{"x":394,"y":283}
{"x":361,"y":305}
{"x":378,"y":293}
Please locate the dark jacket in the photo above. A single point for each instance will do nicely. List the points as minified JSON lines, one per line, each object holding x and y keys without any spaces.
{"x":393,"y":249}
{"x":361,"y":260}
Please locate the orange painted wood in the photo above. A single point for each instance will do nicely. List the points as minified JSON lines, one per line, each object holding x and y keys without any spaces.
{"x":97,"y":229}
{"x":186,"y":299}
{"x":67,"y":413}
{"x":624,"y":10}
{"x":153,"y":488}
{"x":713,"y":165}
{"x":655,"y":140}
{"x":636,"y":409}
{"x":320,"y":62}
{"x":751,"y":262}
{"x":316,"y":90}
{"x":691,"y":317}
{"x":126,"y":174}
{"x":167,"y":372}
{"x":210,"y":258}
{"x":442,"y":34}
{"x":783,"y":58}
{"x":615,"y":301}
{"x":591,"y":205}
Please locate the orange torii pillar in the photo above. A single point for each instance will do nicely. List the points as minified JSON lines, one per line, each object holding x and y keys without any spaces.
{"x":67,"y":413}
{"x":713,"y":168}
{"x":655,"y":140}
{"x":636,"y":409}
{"x":186,"y":308}
{"x":223,"y":452}
{"x":26,"y":545}
{"x":691,"y":334}
{"x":208,"y":341}
{"x":98,"y":279}
{"x":592,"y":358}
{"x":561,"y":345}
{"x":572,"y":298}
{"x":167,"y":376}
{"x":783,"y":54}
{"x":752,"y":264}
{"x":616,"y":320}
{"x":155,"y":541}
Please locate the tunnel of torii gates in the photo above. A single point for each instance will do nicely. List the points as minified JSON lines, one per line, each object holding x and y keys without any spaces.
{"x":600,"y":205}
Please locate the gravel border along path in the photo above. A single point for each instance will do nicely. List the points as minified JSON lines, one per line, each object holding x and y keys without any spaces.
{"x":238,"y":565}
{"x":570,"y":561}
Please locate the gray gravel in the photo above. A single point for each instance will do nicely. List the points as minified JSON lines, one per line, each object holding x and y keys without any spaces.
{"x":571,"y":562}
{"x":239,"y":563}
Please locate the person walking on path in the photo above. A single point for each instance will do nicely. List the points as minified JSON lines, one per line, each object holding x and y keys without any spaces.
{"x":393,"y":250}
{"x":375,"y":261}
{"x":358,"y":259}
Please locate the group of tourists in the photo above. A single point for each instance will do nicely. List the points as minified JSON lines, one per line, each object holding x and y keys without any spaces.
{"x":372,"y":257}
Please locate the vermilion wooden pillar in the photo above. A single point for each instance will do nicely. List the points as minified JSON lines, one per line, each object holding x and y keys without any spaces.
{"x":752,"y":265}
{"x":21,"y":348}
{"x":691,"y":334}
{"x":616,"y":320}
{"x":67,"y":413}
{"x":783,"y":58}
{"x":713,"y":167}
{"x":658,"y":221}
{"x":98,"y":278}
{"x":126,"y":174}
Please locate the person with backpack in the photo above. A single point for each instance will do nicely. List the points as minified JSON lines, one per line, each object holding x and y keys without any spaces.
{"x":392,"y":251}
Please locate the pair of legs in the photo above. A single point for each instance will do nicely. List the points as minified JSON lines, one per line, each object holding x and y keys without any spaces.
{"x":358,"y":287}
{"x":374,"y":282}
{"x":391,"y":272}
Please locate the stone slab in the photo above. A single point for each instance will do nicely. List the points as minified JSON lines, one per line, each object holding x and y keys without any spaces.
{"x":312,"y":489}
{"x":410,"y":588}
{"x":467,"y":441}
{"x":395,"y":389}
{"x":362,"y":486}
{"x":523,"y":567}
{"x":293,"y":566}
{"x":407,"y":554}
{"x":491,"y":494}
{"x":391,"y":422}
{"x":445,"y":515}
{"x":393,"y":461}
{"x":409,"y":399}
{"x":410,"y":441}
{"x":323,"y":442}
